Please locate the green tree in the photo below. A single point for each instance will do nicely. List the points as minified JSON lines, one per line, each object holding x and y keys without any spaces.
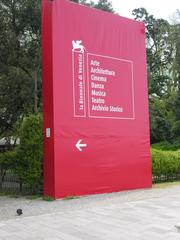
{"x":176,"y":68}
{"x":163,"y":58}
{"x":177,"y":105}
{"x":160,"y":124}
{"x":176,"y":129}
{"x":104,"y":5}
{"x":19,"y":59}
{"x":160,"y":52}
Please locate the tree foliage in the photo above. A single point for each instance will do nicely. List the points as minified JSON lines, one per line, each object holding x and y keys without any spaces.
{"x":163,"y":59}
{"x":20,"y":64}
{"x":160,"y":52}
{"x":19,"y":59}
{"x":104,"y":5}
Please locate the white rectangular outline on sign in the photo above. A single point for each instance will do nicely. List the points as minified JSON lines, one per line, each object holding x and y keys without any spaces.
{"x":133,"y":102}
{"x":84,"y":83}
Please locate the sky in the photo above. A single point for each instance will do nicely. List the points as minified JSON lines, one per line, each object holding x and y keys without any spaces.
{"x":159,"y":8}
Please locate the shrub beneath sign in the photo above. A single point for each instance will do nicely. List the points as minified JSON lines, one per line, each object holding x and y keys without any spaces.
{"x":29,"y":152}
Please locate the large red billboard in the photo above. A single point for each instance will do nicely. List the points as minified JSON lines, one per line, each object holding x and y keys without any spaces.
{"x":95,"y":101}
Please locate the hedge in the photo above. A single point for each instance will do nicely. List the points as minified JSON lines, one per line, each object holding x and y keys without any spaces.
{"x":165,"y":163}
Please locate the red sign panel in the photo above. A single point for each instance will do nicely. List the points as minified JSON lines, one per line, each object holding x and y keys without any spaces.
{"x":109,"y":97}
{"x":94,"y":101}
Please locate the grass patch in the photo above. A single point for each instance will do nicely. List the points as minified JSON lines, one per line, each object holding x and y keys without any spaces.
{"x":2,"y":194}
{"x":71,"y":197}
{"x":10,"y":195}
{"x":29,"y":197}
{"x":48,"y":198}
{"x":34,"y":197}
{"x":166,"y":185}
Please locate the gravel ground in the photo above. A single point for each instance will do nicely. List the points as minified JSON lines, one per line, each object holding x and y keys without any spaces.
{"x":137,"y":215}
{"x":8,"y":205}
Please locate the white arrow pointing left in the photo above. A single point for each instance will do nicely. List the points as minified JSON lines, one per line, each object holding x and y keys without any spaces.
{"x":80,"y":145}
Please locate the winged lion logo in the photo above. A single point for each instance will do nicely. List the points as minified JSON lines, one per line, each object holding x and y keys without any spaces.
{"x":77,"y":45}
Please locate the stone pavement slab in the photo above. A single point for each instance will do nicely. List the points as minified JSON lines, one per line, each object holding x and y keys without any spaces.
{"x":142,"y":214}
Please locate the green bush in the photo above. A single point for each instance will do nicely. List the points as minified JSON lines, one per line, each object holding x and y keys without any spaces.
{"x":7,"y":159}
{"x":176,"y":129}
{"x":165,"y":163}
{"x":167,"y":146}
{"x":29,"y":152}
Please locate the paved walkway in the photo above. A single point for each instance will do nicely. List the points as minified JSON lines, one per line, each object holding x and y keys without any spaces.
{"x":142,"y":215}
